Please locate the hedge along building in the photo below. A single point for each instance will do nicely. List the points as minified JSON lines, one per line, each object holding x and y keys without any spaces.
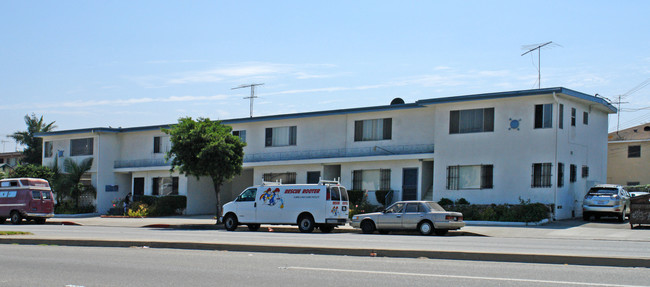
{"x":546,"y":145}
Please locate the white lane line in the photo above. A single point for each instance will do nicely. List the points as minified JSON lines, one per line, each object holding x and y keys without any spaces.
{"x":458,"y":276}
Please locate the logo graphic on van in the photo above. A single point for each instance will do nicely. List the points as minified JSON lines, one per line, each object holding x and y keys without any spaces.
{"x":271,"y":198}
{"x":335,"y":210}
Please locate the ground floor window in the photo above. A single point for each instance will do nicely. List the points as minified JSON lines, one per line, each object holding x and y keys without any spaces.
{"x":541,"y":175}
{"x":285,"y":177}
{"x":470,"y":177}
{"x":313,"y":176}
{"x":164,"y":186}
{"x":371,"y":179}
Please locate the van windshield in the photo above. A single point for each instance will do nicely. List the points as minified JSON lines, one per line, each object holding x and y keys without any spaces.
{"x":344,"y":194}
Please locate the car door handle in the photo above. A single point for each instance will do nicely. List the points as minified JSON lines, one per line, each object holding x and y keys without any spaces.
{"x":255,"y":204}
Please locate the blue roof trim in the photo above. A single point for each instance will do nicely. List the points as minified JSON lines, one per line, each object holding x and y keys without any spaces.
{"x":488,"y":96}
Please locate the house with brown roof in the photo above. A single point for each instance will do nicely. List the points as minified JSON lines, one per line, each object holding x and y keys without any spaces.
{"x":628,"y":156}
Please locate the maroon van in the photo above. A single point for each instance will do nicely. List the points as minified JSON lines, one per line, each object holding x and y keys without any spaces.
{"x":25,"y":198}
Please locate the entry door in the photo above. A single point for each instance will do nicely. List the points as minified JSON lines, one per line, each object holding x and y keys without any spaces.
{"x":138,"y":188}
{"x":410,"y":184}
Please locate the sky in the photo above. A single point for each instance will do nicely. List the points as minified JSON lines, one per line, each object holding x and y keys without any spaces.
{"x":90,"y":64}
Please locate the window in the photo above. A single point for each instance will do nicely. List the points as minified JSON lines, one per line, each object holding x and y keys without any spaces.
{"x":585,"y":118}
{"x":47,"y":149}
{"x":573,"y":173}
{"x":560,"y":174}
{"x":633,"y":183}
{"x":471,"y":121}
{"x":281,"y":136}
{"x":373,"y":130}
{"x":36,"y":194}
{"x":560,"y":123}
{"x":585,"y":171}
{"x":81,"y":147}
{"x":313,"y":176}
{"x":634,"y":151}
{"x":372,"y":179}
{"x":285,"y":177}
{"x":165,"y":186}
{"x":541,"y":175}
{"x":469,"y":177}
{"x":573,"y":117}
{"x":241,"y":134}
{"x":247,"y":195}
{"x":543,"y":116}
{"x":161,"y":144}
{"x":414,"y":207}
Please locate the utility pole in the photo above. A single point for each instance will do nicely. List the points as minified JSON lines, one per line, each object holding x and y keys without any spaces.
{"x":252,"y":86}
{"x":538,"y":47}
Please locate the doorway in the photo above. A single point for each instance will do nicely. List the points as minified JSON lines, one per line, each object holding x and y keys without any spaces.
{"x":410,"y":184}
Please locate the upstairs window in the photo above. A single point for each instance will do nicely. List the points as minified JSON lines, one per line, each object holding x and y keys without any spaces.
{"x":161,"y":144}
{"x":573,"y":173}
{"x":544,"y":116}
{"x":541,"y":175}
{"x":373,"y":130}
{"x":281,"y":136}
{"x":573,"y":117}
{"x":560,"y":123}
{"x":47,"y":149}
{"x":634,"y":151}
{"x":241,"y":134}
{"x":585,"y":171}
{"x":471,"y":121}
{"x":81,"y":147}
{"x":585,"y":118}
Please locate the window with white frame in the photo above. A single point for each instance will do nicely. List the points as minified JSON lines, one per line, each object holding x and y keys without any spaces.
{"x":164,"y":186}
{"x":81,"y":147}
{"x":47,"y":149}
{"x":161,"y":144}
{"x":471,"y":121}
{"x":470,"y":177}
{"x":371,"y":179}
{"x":541,"y":175}
{"x":280,"y":136}
{"x":544,"y":116}
{"x":373,"y":130}
{"x":241,"y":134}
{"x":283,"y":177}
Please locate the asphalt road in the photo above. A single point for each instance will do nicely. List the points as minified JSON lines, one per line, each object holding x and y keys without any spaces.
{"x":552,"y":246}
{"x":95,"y":266}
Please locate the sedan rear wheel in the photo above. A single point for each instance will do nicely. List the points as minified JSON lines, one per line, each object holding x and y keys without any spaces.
{"x":425,"y":227}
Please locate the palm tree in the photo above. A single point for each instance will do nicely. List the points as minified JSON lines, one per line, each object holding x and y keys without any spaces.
{"x":75,"y":172}
{"x":34,"y":144}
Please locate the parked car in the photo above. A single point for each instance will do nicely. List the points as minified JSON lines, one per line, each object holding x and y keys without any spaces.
{"x":424,"y":216}
{"x":25,"y":198}
{"x":637,"y":193}
{"x":606,"y":200}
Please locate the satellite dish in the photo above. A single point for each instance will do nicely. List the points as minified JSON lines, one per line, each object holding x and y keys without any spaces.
{"x":397,"y":101}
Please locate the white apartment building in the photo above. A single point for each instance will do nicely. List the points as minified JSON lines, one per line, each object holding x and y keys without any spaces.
{"x":547,"y":145}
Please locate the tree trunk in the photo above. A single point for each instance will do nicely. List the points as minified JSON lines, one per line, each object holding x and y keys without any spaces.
{"x":217,"y":192}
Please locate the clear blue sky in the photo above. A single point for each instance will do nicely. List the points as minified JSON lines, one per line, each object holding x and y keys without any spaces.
{"x":135,"y":63}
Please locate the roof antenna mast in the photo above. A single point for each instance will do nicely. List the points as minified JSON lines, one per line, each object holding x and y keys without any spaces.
{"x":537,"y":47}
{"x":252,"y":86}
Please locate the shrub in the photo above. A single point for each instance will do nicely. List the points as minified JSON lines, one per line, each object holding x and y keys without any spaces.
{"x":162,"y":205}
{"x":380,"y":195}
{"x":140,"y":210}
{"x":356,"y":197}
{"x":525,"y":211}
{"x":445,"y":202}
{"x":462,"y":201}
{"x":363,"y":207}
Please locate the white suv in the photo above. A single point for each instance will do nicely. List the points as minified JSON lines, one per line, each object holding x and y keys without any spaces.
{"x":606,"y":200}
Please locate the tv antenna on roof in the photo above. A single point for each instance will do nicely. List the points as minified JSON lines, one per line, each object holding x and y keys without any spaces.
{"x":252,"y":86}
{"x":537,"y":47}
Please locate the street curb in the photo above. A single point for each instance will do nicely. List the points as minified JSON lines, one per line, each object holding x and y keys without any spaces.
{"x":451,"y":255}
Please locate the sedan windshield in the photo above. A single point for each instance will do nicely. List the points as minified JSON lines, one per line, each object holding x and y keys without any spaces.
{"x":434,"y":206}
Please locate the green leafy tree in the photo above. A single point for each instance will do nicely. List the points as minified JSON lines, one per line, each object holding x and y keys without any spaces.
{"x":34,"y":144}
{"x":72,"y":183}
{"x":32,"y":170}
{"x":206,"y":148}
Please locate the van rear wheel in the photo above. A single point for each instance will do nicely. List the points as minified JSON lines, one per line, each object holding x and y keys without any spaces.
{"x":16,"y":218}
{"x":306,"y":223}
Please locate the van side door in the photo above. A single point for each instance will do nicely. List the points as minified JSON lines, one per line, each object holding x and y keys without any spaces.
{"x":246,"y":207}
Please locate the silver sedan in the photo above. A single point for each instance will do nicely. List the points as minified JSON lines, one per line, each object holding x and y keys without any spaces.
{"x":424,"y":216}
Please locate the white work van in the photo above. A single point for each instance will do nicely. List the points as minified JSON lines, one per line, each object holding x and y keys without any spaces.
{"x":324,"y":205}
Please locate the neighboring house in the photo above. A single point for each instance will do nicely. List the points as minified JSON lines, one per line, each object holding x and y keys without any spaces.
{"x":628,"y":156}
{"x":9,"y":160}
{"x":546,"y":145}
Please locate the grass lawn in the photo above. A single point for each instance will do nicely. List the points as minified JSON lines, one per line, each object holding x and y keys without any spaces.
{"x":15,"y":233}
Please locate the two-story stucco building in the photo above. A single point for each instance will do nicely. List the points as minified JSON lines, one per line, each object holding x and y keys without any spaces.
{"x":628,"y":159}
{"x":546,"y":145}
